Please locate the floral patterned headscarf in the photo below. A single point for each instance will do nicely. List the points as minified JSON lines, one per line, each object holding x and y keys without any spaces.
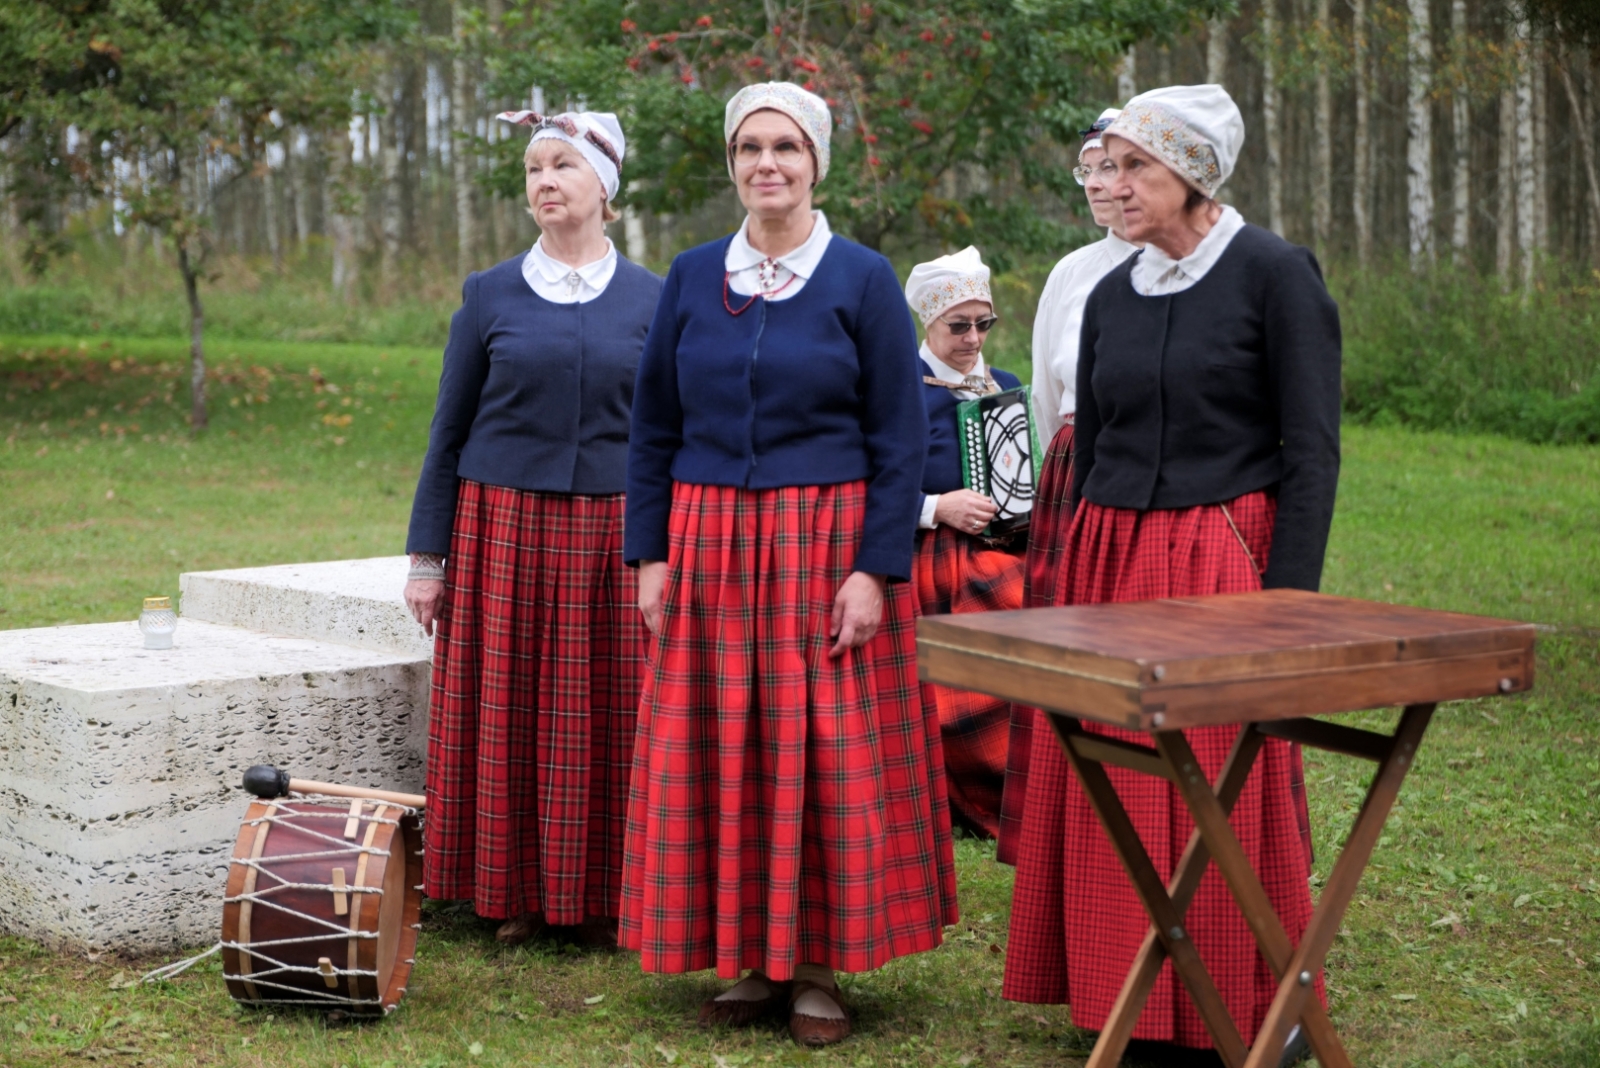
{"x":946,"y":281}
{"x":1196,"y":130}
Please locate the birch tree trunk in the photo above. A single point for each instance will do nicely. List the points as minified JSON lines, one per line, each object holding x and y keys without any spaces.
{"x":1217,"y":51}
{"x":1269,"y":115}
{"x":294,"y":165}
{"x":1461,"y":137}
{"x":1419,"y":134}
{"x":269,"y":205}
{"x":1541,"y":144}
{"x":1128,"y":76}
{"x":389,"y":157}
{"x":341,"y":214}
{"x":1322,"y":174}
{"x":1361,"y":187}
{"x":461,"y":127}
{"x":1505,"y":184}
{"x":1527,"y":175}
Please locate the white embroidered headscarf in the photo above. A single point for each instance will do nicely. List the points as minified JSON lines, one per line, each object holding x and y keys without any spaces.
{"x":597,"y":135}
{"x":1194,"y":129}
{"x":1092,"y":136}
{"x":808,"y":110}
{"x":954,"y":279}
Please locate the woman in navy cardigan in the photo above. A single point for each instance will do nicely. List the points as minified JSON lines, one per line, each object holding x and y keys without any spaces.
{"x":515,"y":543}
{"x":788,"y":811}
{"x":955,"y":568}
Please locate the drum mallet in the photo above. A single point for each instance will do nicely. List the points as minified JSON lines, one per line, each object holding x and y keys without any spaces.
{"x":266,"y":781}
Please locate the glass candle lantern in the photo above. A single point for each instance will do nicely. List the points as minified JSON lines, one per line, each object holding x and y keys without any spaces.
{"x":158,"y":621}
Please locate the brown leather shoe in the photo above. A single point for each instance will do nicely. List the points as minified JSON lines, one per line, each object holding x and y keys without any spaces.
{"x":519,"y":929}
{"x":731,"y":1013}
{"x":813,"y":1030}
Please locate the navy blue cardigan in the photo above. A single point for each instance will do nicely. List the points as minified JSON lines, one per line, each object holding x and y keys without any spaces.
{"x":811,"y":391}
{"x":533,"y":395}
{"x":942,"y":473}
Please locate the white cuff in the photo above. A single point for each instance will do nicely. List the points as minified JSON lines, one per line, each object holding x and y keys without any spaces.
{"x":930,"y":502}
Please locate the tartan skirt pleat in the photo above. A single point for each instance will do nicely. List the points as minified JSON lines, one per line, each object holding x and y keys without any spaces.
{"x":1042,"y":570}
{"x":954,"y":573}
{"x":536,"y":676}
{"x":786,"y":808}
{"x":1076,"y":923}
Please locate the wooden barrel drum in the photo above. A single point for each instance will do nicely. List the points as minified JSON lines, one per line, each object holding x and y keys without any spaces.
{"x":323,"y":904}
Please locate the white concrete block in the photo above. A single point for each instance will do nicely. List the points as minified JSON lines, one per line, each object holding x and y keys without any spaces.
{"x":357,"y":602}
{"x":120,"y":766}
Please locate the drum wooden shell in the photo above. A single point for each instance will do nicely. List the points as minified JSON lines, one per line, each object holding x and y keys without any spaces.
{"x":337,"y":930}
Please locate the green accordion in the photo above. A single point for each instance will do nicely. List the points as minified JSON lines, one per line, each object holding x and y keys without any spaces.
{"x":1000,"y":455}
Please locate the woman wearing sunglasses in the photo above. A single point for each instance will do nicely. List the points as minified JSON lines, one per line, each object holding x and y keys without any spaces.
{"x":1055,"y":372}
{"x":1206,"y":461}
{"x":788,"y":813}
{"x":956,"y":569}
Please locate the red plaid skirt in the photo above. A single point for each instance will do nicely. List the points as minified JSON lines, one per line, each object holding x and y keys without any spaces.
{"x":955,"y":572}
{"x":536,"y":674}
{"x":786,"y":808}
{"x":1075,"y":922}
{"x":1045,"y":564}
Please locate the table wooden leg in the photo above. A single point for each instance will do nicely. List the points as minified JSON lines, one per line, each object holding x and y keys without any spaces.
{"x":1168,"y":919}
{"x":1295,"y":986}
{"x":1211,"y":823}
{"x":1118,"y":1029}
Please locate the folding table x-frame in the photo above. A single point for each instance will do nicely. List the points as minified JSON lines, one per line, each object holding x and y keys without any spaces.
{"x":1266,"y":662}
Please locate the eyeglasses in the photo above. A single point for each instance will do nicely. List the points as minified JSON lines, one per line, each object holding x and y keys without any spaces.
{"x":787,"y":153}
{"x":1107,"y":171}
{"x":961,"y":326}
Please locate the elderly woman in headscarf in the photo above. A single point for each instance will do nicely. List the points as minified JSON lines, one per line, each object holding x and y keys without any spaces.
{"x":788,"y":810}
{"x":1055,"y":395}
{"x":1206,"y":461}
{"x":956,"y":568}
{"x":515,"y":543}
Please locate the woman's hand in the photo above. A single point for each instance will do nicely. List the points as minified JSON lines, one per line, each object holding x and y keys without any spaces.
{"x":425,"y":598}
{"x":652,"y":589}
{"x":857,"y":611}
{"x":968,"y":512}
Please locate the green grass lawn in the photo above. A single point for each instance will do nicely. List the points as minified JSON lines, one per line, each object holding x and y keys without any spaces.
{"x":1473,"y":942}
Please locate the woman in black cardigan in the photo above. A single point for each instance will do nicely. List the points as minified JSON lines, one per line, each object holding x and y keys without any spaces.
{"x":1207,"y":456}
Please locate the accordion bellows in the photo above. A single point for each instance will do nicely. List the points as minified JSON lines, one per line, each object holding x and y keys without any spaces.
{"x":999,"y":451}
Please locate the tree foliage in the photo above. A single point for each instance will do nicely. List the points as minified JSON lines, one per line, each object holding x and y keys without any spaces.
{"x":178,"y":85}
{"x":918,"y":91}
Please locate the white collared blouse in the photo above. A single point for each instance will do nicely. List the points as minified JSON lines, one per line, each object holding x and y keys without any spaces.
{"x":751,"y":272}
{"x":561,"y":284}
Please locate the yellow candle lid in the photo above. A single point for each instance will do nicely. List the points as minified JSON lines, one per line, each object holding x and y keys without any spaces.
{"x":153,"y":604}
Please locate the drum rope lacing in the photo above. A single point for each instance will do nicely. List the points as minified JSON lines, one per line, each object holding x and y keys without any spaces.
{"x":344,"y":848}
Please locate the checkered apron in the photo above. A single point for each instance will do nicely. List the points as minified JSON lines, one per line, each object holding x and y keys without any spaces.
{"x":1047,"y":546}
{"x":954,"y":572}
{"x":786,"y":808}
{"x":536,"y":676}
{"x":1075,"y":922}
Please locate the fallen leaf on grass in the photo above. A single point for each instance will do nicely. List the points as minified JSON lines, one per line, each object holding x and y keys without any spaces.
{"x":7,"y":1000}
{"x":597,"y":999}
{"x":1522,"y":899}
{"x":1403,"y":997}
{"x":475,"y":1050}
{"x":668,"y":1055}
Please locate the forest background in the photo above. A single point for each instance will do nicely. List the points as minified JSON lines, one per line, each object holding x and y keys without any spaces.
{"x":310,"y":170}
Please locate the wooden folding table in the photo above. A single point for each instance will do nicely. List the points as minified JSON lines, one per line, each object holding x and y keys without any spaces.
{"x":1266,"y":662}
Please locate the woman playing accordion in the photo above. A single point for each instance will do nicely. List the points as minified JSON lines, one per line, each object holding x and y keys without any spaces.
{"x":956,"y":569}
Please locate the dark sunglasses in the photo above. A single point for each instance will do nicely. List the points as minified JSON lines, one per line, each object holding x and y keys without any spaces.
{"x":961,"y":326}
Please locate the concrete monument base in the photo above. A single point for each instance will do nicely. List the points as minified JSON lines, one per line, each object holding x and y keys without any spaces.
{"x":120,"y":766}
